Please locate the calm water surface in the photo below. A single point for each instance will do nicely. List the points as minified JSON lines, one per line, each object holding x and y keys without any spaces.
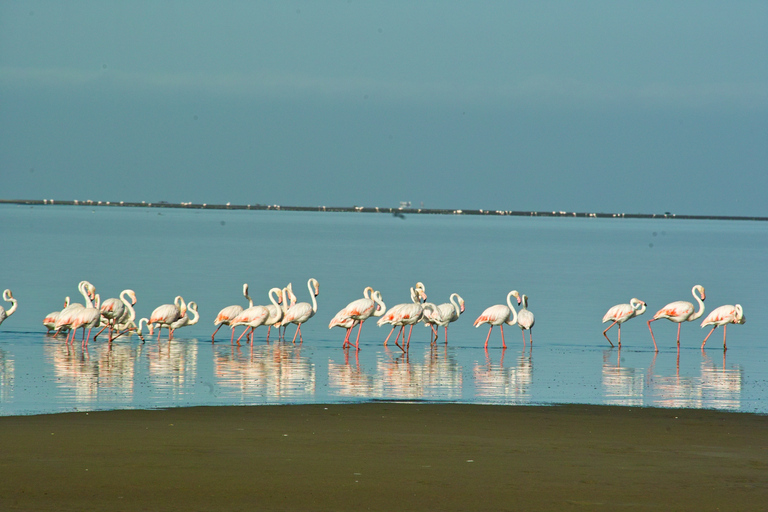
{"x":573,"y":270}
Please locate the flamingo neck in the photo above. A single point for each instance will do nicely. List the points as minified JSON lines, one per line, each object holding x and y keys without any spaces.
{"x":513,"y":320}
{"x":273,"y":300}
{"x":701,"y":306}
{"x":382,"y":307}
{"x":312,"y":294}
{"x":86,"y":295}
{"x":245,"y":294}
{"x":10,"y":310}
{"x":196,"y":316}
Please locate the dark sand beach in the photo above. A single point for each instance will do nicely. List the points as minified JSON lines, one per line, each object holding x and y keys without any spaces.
{"x":386,"y":456}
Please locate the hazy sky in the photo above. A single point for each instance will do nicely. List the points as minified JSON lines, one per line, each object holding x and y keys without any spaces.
{"x":604,"y":106}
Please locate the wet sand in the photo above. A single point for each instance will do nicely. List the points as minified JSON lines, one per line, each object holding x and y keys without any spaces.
{"x":386,"y":456}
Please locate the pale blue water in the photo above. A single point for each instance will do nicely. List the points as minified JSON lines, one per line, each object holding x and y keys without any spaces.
{"x":573,"y":270}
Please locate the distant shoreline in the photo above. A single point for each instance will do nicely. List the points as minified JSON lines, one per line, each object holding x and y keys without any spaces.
{"x":367,"y":209}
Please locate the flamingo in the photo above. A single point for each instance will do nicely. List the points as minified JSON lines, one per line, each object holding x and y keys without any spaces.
{"x":444,"y":314}
{"x":525,"y":320}
{"x":499,"y":315}
{"x":67,"y":315}
{"x":620,"y":313}
{"x":89,"y":317}
{"x":289,"y":300}
{"x":167,"y":314}
{"x":302,"y":311}
{"x":7,"y":297}
{"x":680,"y":311}
{"x":226,"y":315}
{"x":142,"y":322}
{"x":255,"y":316}
{"x":405,"y":314}
{"x":116,"y":310}
{"x":342,"y":319}
{"x":185,"y":320}
{"x":723,"y":315}
{"x":50,"y":319}
{"x":276,"y":311}
{"x":359,"y":310}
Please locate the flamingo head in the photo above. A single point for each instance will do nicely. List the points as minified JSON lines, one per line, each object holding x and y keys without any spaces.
{"x":461,"y":305}
{"x":516,"y":295}
{"x":7,"y":295}
{"x":700,"y":289}
{"x":740,"y":318}
{"x":132,"y":295}
{"x":316,"y":286}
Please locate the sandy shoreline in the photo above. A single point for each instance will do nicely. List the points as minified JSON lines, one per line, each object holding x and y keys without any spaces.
{"x":386,"y":456}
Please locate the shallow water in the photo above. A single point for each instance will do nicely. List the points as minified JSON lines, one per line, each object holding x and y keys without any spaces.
{"x":573,"y":270}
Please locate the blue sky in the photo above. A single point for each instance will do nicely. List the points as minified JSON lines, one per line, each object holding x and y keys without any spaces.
{"x":637,"y":107}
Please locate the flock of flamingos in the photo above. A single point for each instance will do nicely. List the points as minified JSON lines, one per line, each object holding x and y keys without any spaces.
{"x":118,"y":316}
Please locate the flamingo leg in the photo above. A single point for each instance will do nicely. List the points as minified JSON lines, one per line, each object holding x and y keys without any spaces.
{"x":241,"y":335}
{"x":678,"y":334}
{"x":708,"y":335}
{"x":446,"y":334}
{"x":724,"y":347}
{"x":102,"y":330}
{"x":530,"y":336}
{"x":652,"y":337}
{"x":409,"y":336}
{"x":502,"y":336}
{"x":357,"y":340}
{"x":606,"y":335}
{"x":269,"y":328}
{"x":214,"y":332}
{"x":298,"y":332}
{"x":488,"y":337}
{"x":390,"y":334}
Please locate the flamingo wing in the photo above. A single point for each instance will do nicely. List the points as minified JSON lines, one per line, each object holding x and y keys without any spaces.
{"x":677,"y":311}
{"x":619,"y":313}
{"x":494,"y":315}
{"x":227,"y":314}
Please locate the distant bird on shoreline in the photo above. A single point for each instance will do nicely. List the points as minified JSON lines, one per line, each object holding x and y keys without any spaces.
{"x":620,"y":313}
{"x":680,"y":311}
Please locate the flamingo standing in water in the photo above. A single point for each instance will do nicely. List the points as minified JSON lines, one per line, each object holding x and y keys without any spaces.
{"x":405,"y":314}
{"x":276,"y":311}
{"x":499,"y":315}
{"x":679,"y":312}
{"x":723,"y":315}
{"x":67,"y":315}
{"x":50,"y":319}
{"x":359,"y":310}
{"x":525,"y":319}
{"x":302,"y":311}
{"x":89,"y":317}
{"x":255,"y":316}
{"x":226,"y":315}
{"x":620,"y":313}
{"x":167,"y":314}
{"x":444,"y":314}
{"x":115,"y":311}
{"x":7,"y":297}
{"x":185,"y":320}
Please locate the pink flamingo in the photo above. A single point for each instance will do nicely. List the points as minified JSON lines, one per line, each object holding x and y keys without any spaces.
{"x":444,"y":314}
{"x":7,"y":297}
{"x":302,"y":311}
{"x":226,"y":315}
{"x":167,"y":314}
{"x":359,"y":310}
{"x":50,"y":319}
{"x":116,"y":310}
{"x":276,"y":311}
{"x":680,"y":311}
{"x":499,"y":315}
{"x":89,"y":317}
{"x":185,"y":320}
{"x":620,"y":313}
{"x":255,"y":316}
{"x":723,"y":315}
{"x":525,"y":320}
{"x":67,"y":315}
{"x":405,"y":314}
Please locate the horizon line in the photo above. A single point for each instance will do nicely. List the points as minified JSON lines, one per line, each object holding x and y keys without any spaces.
{"x":397,"y":211}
